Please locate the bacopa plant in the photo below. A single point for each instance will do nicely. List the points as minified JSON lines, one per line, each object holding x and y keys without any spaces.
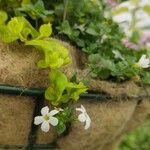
{"x":61,"y":91}
{"x":114,"y":37}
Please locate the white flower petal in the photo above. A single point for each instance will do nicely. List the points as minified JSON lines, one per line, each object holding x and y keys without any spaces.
{"x":45,"y":110}
{"x":53,"y":121}
{"x":38,"y":120}
{"x":45,"y":126}
{"x":144,"y":62}
{"x":82,"y":117}
{"x":88,"y":122}
{"x":53,"y":112}
{"x":123,"y":17}
{"x":82,"y":107}
{"x":79,"y":109}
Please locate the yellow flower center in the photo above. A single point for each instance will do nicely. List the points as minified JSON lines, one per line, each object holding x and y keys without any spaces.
{"x":46,"y":117}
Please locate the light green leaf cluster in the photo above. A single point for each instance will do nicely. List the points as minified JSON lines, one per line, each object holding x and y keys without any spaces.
{"x":61,"y":90}
{"x":17,"y":28}
{"x":55,"y":56}
{"x":3,"y":16}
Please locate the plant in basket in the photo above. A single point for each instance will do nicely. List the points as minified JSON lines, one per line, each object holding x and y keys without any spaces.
{"x":114,"y":61}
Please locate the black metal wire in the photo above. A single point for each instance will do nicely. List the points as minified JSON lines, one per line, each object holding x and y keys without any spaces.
{"x":33,"y":132}
{"x":18,"y":90}
{"x":34,"y":147}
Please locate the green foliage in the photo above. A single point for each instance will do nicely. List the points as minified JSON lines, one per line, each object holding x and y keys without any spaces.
{"x":9,"y":5}
{"x":17,"y":28}
{"x":35,"y":11}
{"x":74,"y":90}
{"x":58,"y":83}
{"x":45,"y":30}
{"x":61,"y":90}
{"x":3,"y":16}
{"x":138,"y":139}
{"x":145,"y":78}
{"x":101,"y":39}
{"x":64,"y":117}
{"x":56,"y":55}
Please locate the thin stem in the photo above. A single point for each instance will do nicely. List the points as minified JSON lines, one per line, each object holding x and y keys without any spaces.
{"x":86,"y":75}
{"x":36,"y":24}
{"x":65,"y":9}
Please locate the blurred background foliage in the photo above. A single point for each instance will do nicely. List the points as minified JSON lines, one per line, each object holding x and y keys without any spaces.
{"x":138,"y":139}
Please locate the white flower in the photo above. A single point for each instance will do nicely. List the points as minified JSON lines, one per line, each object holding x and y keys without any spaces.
{"x":131,"y":15}
{"x":117,"y":54}
{"x":144,"y":62}
{"x":46,"y":119}
{"x":84,"y":117}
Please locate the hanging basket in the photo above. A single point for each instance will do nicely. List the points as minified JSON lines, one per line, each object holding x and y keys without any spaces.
{"x":115,"y":109}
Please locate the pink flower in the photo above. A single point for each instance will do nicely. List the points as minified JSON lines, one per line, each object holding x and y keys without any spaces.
{"x":130,"y":44}
{"x":145,"y":38}
{"x":111,"y":3}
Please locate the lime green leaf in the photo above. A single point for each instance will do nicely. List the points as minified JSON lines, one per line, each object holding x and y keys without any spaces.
{"x":56,"y":55}
{"x":6,"y":35}
{"x":45,"y":30}
{"x":74,"y":90}
{"x":59,"y":80}
{"x":58,"y":83}
{"x":65,"y":98}
{"x":50,"y":94}
{"x":17,"y":28}
{"x":3,"y":16}
{"x":44,"y":45}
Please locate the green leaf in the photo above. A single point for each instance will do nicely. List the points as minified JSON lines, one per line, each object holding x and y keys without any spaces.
{"x":39,"y":6}
{"x":56,"y":55}
{"x":92,"y":31}
{"x":17,"y":28}
{"x":45,"y":30}
{"x":58,"y":83}
{"x":94,"y":58}
{"x":146,"y":78}
{"x":58,"y":79}
{"x":64,"y":118}
{"x":34,"y":10}
{"x":135,"y":37}
{"x":61,"y":127}
{"x":3,"y":16}
{"x":74,"y":90}
{"x":65,"y":28}
{"x":6,"y":35}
